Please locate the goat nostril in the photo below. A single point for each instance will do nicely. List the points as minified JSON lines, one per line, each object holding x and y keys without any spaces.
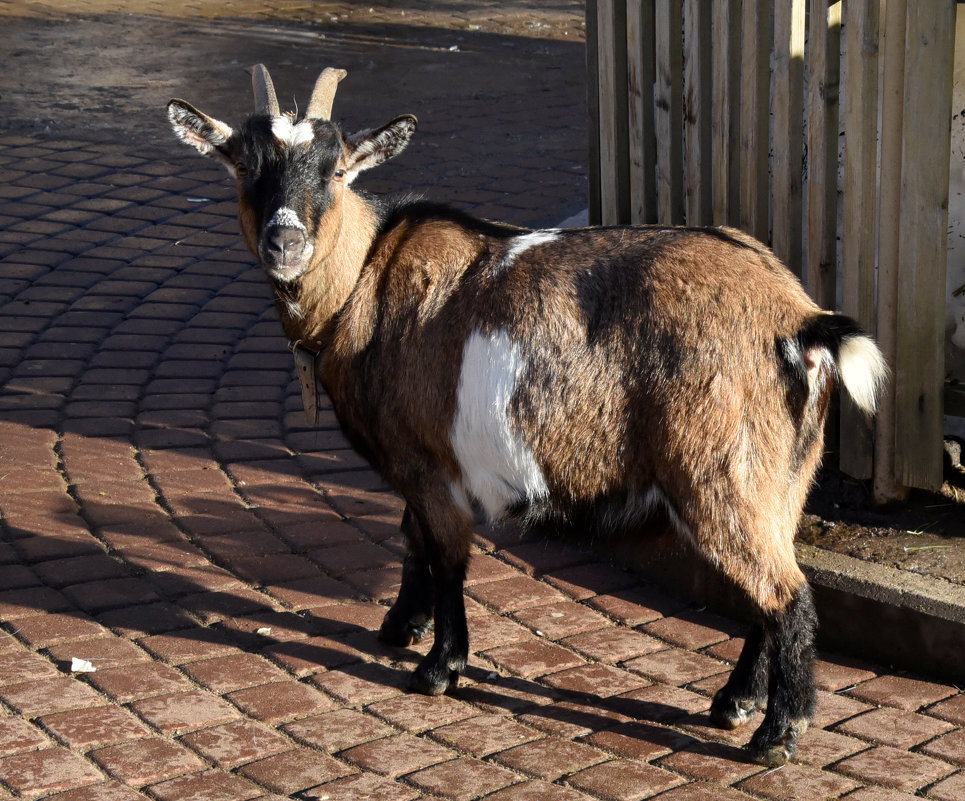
{"x":286,"y":241}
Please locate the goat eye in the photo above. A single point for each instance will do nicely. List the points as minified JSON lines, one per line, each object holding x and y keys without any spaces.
{"x":241,"y":170}
{"x":338,"y":175}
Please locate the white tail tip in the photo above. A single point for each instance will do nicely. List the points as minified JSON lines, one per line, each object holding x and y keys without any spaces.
{"x":863,"y":370}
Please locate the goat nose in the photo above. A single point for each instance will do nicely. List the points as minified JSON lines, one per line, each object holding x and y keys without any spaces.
{"x":284,"y":242}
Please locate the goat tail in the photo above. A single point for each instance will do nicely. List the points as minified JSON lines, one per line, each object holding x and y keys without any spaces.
{"x":859,"y":363}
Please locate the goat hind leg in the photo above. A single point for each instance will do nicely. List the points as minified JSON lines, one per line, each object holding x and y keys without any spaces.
{"x":746,"y":689}
{"x":792,"y":697}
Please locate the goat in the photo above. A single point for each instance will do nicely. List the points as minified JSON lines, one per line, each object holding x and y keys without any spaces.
{"x":480,"y":366}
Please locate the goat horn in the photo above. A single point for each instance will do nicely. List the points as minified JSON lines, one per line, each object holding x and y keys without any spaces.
{"x":323,"y":95}
{"x":265,"y":100}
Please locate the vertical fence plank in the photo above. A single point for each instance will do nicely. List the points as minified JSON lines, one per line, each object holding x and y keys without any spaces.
{"x":889,"y":193}
{"x":824,"y":57}
{"x":614,"y":145}
{"x":668,"y":115}
{"x":725,"y":104}
{"x":860,"y":192}
{"x":698,"y":176}
{"x":929,"y":57}
{"x":641,"y":46}
{"x":788,"y":137}
{"x":755,"y":73}
{"x":593,"y":115}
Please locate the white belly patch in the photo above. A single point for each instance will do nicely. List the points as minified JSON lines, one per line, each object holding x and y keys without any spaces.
{"x":498,"y":468}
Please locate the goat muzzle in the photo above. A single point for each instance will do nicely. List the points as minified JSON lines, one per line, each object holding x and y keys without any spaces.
{"x":285,"y":251}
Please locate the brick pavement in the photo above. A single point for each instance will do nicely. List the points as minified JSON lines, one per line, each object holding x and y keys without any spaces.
{"x":169,"y":517}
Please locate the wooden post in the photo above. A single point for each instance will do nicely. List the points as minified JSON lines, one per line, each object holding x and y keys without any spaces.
{"x":594,"y":212}
{"x":614,"y":144}
{"x":860,"y":193}
{"x":929,"y":59}
{"x":885,"y":485}
{"x":668,"y":115}
{"x":788,"y":138}
{"x":641,"y":48}
{"x":824,"y":57}
{"x":725,"y":103}
{"x":697,"y":113}
{"x":755,"y":73}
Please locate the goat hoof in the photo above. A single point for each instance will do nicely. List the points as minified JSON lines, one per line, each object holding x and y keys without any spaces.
{"x":404,"y":635}
{"x":432,"y":682}
{"x":772,"y":757}
{"x":729,"y":713}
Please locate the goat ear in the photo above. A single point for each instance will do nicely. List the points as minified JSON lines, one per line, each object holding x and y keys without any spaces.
{"x":368,"y":149}
{"x":208,"y":136}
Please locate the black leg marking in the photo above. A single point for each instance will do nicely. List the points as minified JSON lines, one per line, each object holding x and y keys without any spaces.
{"x":792,"y":695}
{"x":746,"y":689}
{"x":440,"y":669}
{"x":410,"y":618}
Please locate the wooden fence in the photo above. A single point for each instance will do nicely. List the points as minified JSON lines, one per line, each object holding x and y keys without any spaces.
{"x":728,"y":112}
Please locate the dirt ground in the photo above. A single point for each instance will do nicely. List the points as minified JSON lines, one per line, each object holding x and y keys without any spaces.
{"x":925,"y":535}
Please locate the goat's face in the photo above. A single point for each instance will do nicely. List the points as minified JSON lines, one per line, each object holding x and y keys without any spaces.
{"x":291,"y":173}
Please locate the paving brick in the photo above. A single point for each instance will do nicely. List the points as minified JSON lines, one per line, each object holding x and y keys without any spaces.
{"x":362,"y":786}
{"x":820,"y":747}
{"x":141,"y":680}
{"x":483,"y":567}
{"x":511,"y":594}
{"x":676,"y":666}
{"x":54,"y":628}
{"x":950,"y":789}
{"x":631,"y":607}
{"x":362,"y":683}
{"x":538,"y":556}
{"x":462,"y":779}
{"x":901,"y":692}
{"x":146,"y":761}
{"x":614,"y":644}
{"x":48,"y":695}
{"x":20,"y":665}
{"x":595,"y":680}
{"x":361,"y":555}
{"x":280,"y":701}
{"x":237,"y":671}
{"x":889,"y":726}
{"x":397,"y":755}
{"x":892,"y":767}
{"x":623,"y":780}
{"x":48,"y":771}
{"x":561,"y":619}
{"x":537,"y":791}
{"x":415,"y":713}
{"x":532,"y":657}
{"x":293,"y":771}
{"x":182,"y":712}
{"x":337,"y":730}
{"x":100,"y":596}
{"x":798,"y":780}
{"x":833,"y":672}
{"x":209,"y":785}
{"x":549,"y":758}
{"x":484,"y":735}
{"x":487,"y":630}
{"x":569,"y":720}
{"x":91,"y":728}
{"x":950,"y":747}
{"x":834,"y":707}
{"x":711,"y":762}
{"x":234,"y":744}
{"x":189,"y":645}
{"x":105,"y":791}
{"x":146,"y":619}
{"x":952,"y":710}
{"x":17,"y":735}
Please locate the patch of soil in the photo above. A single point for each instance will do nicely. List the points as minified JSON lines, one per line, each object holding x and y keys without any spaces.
{"x":925,"y":534}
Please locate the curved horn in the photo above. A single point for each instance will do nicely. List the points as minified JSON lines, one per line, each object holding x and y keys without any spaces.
{"x":264,"y":89}
{"x":320,"y":106}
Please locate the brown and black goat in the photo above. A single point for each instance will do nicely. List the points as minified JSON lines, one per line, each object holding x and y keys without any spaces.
{"x":479,"y":366}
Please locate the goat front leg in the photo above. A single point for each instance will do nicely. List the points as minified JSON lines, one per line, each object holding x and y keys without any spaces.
{"x":446,"y":532}
{"x":410,"y":618}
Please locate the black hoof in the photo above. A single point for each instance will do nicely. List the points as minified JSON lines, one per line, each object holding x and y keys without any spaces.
{"x":729,"y":712}
{"x":404,"y":634}
{"x":773,"y":753}
{"x":433,"y":682}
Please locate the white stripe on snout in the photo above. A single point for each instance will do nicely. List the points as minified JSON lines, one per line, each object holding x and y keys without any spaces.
{"x":524,"y":242}
{"x":498,"y":467}
{"x":286,"y":218}
{"x":290,"y":133}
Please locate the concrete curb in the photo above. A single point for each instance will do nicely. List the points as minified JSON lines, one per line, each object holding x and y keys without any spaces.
{"x":867,"y":610}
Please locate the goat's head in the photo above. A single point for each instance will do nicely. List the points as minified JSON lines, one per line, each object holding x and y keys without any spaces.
{"x":291,"y":172}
